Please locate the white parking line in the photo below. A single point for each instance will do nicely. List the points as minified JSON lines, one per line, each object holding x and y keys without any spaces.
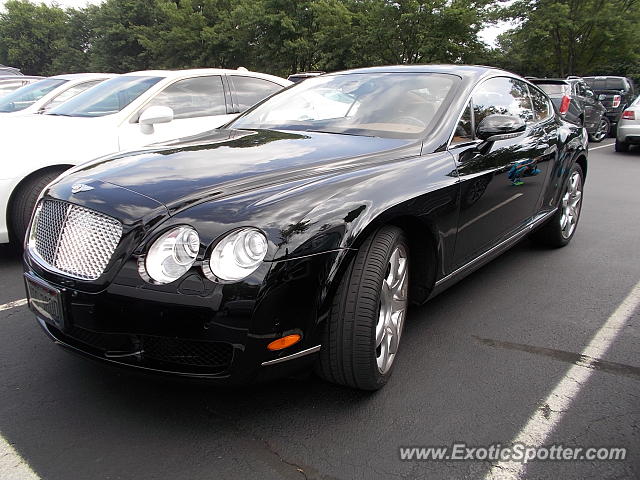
{"x":12,"y":465}
{"x":601,"y":146}
{"x":542,"y":423}
{"x":14,"y":304}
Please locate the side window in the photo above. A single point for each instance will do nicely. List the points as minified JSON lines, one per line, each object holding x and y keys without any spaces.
{"x":250,"y":91}
{"x":505,"y":96}
{"x":193,"y":97}
{"x":70,"y":93}
{"x":541,"y":107}
{"x":582,"y":90}
{"x":464,"y":129}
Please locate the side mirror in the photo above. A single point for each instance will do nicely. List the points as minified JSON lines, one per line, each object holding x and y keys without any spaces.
{"x":153,"y":115}
{"x":494,"y":128}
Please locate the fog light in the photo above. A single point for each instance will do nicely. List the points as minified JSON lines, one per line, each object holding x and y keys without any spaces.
{"x":284,"y":342}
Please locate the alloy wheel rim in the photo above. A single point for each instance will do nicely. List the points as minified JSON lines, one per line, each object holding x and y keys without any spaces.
{"x":571,"y":203}
{"x":602,"y":130}
{"x":392,"y":309}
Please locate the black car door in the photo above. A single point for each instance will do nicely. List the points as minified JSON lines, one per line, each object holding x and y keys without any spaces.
{"x":591,"y":113}
{"x":500,"y":182}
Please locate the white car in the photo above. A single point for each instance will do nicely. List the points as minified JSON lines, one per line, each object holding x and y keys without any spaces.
{"x":46,"y":94}
{"x":123,"y":113}
{"x":10,"y":83}
{"x":628,"y":129}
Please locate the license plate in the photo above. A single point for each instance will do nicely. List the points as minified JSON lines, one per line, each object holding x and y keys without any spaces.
{"x":45,"y":301}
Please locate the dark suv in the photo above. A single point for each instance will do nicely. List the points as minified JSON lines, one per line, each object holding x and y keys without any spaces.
{"x":577,"y":103}
{"x":615,"y":93}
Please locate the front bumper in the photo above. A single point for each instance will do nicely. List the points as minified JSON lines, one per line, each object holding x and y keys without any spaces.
{"x":219,"y":333}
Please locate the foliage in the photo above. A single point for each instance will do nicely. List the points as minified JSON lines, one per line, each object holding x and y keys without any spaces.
{"x":572,"y":37}
{"x":552,"y":37}
{"x":277,"y":36}
{"x":39,"y":38}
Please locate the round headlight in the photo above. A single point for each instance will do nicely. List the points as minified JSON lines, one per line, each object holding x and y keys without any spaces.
{"x":171,"y":255}
{"x":237,"y":255}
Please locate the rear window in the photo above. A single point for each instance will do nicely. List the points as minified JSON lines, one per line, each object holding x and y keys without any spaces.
{"x":554,"y":89}
{"x":607,"y":83}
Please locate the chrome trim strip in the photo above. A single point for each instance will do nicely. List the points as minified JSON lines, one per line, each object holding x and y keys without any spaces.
{"x":283,"y":259}
{"x":293,"y":356}
{"x":513,"y":238}
{"x":123,"y":354}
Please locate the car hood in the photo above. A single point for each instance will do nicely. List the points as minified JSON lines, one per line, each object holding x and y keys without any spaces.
{"x":225,"y":162}
{"x":56,"y":139}
{"x":46,"y":122}
{"x":52,"y":132}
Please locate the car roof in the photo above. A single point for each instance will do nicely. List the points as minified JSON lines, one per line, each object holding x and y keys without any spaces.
{"x":461,"y":70}
{"x":81,"y":76}
{"x":553,"y":80}
{"x":19,"y":78}
{"x":14,"y":70}
{"x":205,"y":71}
{"x":605,"y":76}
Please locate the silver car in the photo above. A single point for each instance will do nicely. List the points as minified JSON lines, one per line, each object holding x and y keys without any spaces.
{"x":629,"y":127}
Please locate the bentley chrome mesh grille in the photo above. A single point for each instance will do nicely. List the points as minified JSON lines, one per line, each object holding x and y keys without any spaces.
{"x":74,"y":240}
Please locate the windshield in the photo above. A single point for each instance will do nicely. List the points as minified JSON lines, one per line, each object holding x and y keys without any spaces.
{"x":391,"y":105}
{"x":107,"y":98}
{"x":26,"y":96}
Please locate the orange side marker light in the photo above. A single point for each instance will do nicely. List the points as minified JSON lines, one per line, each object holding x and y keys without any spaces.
{"x":284,"y":342}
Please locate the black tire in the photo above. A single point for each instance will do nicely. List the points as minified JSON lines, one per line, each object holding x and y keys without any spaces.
{"x":621,"y":146}
{"x":602,"y":131}
{"x":24,"y":201}
{"x":348,"y":352}
{"x":550,"y":234}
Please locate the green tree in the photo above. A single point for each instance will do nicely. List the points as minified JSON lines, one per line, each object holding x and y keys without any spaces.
{"x":275,"y":36}
{"x":119,"y":29}
{"x":570,"y":37}
{"x":42,"y":39}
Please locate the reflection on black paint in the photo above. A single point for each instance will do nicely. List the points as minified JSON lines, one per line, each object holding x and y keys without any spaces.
{"x":524,"y":168}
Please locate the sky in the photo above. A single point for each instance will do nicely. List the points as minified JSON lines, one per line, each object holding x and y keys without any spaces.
{"x":489,"y":34}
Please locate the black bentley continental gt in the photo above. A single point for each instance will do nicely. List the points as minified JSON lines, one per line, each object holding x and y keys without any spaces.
{"x":297,"y":236}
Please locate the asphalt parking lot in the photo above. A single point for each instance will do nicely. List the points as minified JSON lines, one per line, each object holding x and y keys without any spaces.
{"x":476,"y":365}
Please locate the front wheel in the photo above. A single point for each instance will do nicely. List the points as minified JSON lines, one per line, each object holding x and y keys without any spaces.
{"x":24,"y":201}
{"x":362,"y":334}
{"x":602,"y":131}
{"x":559,"y":230}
